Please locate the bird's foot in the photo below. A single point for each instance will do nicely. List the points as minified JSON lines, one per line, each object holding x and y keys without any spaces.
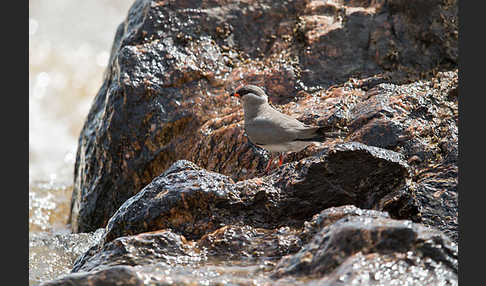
{"x":280,"y":160}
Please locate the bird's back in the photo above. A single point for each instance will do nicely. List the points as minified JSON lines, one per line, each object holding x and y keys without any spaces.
{"x":269,"y":127}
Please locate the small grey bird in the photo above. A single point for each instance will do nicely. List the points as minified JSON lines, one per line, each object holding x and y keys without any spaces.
{"x":271,"y":129}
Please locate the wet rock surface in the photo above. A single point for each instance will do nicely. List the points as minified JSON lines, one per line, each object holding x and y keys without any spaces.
{"x":185,"y":198}
{"x":117,"y":275}
{"x":358,"y":234}
{"x":164,"y":164}
{"x":333,"y":214}
{"x":249,"y":243}
{"x":338,"y":245}
{"x":164,"y":95}
{"x":193,"y":201}
{"x":211,"y":274}
{"x":389,"y":269}
{"x":160,"y":247}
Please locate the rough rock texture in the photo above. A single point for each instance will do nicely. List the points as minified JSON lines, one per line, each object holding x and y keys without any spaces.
{"x":341,"y":240}
{"x":163,"y":161}
{"x":155,"y":275}
{"x":436,"y":192}
{"x":160,"y":247}
{"x":333,"y":178}
{"x":116,"y":275}
{"x":389,"y":269}
{"x":166,"y":249}
{"x":192,"y":201}
{"x":331,"y":215}
{"x":338,"y":246}
{"x":185,"y":198}
{"x":246,"y":242}
{"x":164,"y":95}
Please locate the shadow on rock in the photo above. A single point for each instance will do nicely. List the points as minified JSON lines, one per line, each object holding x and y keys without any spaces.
{"x":192,"y":201}
{"x":172,"y":63}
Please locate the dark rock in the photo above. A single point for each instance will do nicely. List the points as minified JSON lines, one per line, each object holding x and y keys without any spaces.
{"x":349,"y":173}
{"x":418,"y":120}
{"x":192,"y":201}
{"x":339,"y":243}
{"x":437,"y":196}
{"x":163,"y":146}
{"x":332,"y":215}
{"x":167,"y":249}
{"x":369,"y":37}
{"x":187,"y":199}
{"x":352,"y":235}
{"x":117,"y":275}
{"x":172,"y":64}
{"x":402,"y":204}
{"x":246,"y":242}
{"x":163,"y":248}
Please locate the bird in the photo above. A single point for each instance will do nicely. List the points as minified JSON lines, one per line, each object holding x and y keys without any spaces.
{"x":272,"y":130}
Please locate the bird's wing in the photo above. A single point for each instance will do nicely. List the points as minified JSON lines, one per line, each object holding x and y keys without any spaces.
{"x":273,"y":127}
{"x":300,"y":130}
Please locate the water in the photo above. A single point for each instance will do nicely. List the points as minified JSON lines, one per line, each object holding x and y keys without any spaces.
{"x":69,"y":45}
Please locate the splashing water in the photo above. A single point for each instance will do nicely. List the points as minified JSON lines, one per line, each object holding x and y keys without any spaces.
{"x":69,"y":47}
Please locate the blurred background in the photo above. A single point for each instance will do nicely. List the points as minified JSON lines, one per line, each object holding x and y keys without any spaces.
{"x":69,"y":47}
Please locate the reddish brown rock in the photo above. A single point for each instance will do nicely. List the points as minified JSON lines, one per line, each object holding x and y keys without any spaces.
{"x":164,"y":96}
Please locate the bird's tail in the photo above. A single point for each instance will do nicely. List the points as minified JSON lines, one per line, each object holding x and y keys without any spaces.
{"x":322,"y":133}
{"x":332,"y":134}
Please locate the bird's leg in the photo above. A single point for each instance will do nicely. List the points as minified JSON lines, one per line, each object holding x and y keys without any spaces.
{"x":280,"y":159}
{"x":269,"y":164}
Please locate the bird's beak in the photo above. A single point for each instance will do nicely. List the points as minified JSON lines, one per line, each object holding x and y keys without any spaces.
{"x":235,"y":94}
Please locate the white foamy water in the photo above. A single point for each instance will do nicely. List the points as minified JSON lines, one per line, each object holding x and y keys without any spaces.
{"x":69,"y":46}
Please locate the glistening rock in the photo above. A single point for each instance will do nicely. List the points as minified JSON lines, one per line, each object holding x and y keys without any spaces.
{"x":193,"y":201}
{"x":356,"y":235}
{"x":172,"y":63}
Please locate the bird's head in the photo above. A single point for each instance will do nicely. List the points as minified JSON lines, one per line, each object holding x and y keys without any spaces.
{"x":251,"y":95}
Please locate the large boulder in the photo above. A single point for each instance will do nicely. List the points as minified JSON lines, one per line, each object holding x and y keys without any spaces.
{"x":172,"y":64}
{"x":193,"y":201}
